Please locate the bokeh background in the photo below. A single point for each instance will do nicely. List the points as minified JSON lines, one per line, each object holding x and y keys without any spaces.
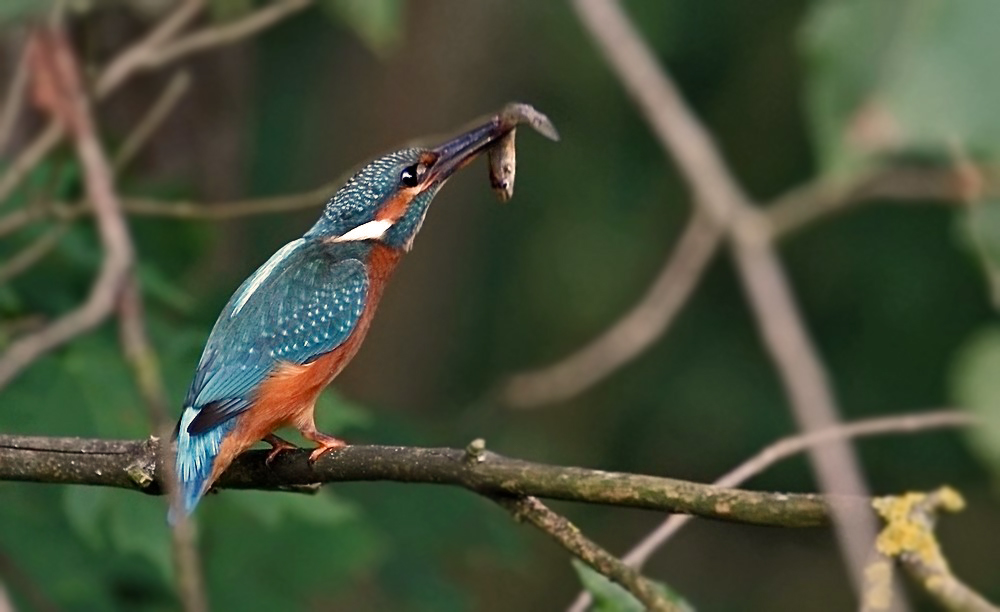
{"x":895,"y":295}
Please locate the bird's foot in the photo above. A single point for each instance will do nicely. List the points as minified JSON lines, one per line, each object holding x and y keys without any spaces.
{"x":326,"y":444}
{"x":278,"y":445}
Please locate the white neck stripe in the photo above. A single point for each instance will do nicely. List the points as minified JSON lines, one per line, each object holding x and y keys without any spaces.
{"x":373,"y":230}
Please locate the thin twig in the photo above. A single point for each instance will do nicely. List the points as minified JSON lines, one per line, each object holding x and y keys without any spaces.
{"x":221,"y":211}
{"x":689,"y":143}
{"x":142,"y":55}
{"x":59,"y":89}
{"x":633,"y":332}
{"x":225,"y":34}
{"x":146,"y":369}
{"x":25,"y":585}
{"x":165,"y":103}
{"x":33,"y":253}
{"x":135,"y":57}
{"x":181,"y":209}
{"x":793,"y":445}
{"x":820,"y":199}
{"x":572,"y":539}
{"x":13,"y":101}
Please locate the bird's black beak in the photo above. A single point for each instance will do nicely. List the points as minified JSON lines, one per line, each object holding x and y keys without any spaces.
{"x":462,"y":149}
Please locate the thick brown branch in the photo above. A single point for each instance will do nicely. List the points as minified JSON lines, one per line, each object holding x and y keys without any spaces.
{"x":132,"y":464}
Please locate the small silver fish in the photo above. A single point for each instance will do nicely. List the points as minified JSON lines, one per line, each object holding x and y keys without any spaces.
{"x":503,"y":154}
{"x":503,"y":165}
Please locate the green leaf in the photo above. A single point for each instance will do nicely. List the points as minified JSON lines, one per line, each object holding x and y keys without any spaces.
{"x":901,"y":76}
{"x":611,"y":597}
{"x":379,"y":23}
{"x":976,"y":386}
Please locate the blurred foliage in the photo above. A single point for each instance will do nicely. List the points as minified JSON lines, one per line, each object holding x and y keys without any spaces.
{"x":792,"y":89}
{"x":897,"y":76}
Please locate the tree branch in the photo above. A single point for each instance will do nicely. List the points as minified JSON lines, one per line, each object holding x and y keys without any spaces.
{"x":909,"y":538}
{"x":569,"y":536}
{"x":633,"y":332}
{"x":781,"y":326}
{"x":59,"y":90}
{"x":778,"y":451}
{"x":132,"y":464}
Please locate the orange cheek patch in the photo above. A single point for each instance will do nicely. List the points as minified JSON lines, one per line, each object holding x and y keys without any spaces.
{"x":395,"y":208}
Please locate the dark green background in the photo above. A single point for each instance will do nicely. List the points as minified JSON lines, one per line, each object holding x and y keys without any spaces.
{"x":890,"y":293}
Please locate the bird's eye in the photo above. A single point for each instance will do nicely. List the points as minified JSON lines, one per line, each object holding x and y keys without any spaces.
{"x":412,"y":175}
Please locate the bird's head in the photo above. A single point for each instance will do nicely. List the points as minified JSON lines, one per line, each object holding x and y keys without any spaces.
{"x":387,"y":199}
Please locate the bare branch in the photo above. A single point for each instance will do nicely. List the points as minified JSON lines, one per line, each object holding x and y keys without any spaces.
{"x":33,"y":253}
{"x":226,"y":34}
{"x":633,"y":332}
{"x":135,"y":58}
{"x":142,"y":55}
{"x":146,"y":370}
{"x":689,"y":143}
{"x":818,"y":200}
{"x":793,"y":445}
{"x":24,"y":585}
{"x":165,"y":103}
{"x":221,"y":211}
{"x":13,"y":101}
{"x":572,"y":539}
{"x":59,"y":89}
{"x":778,"y":451}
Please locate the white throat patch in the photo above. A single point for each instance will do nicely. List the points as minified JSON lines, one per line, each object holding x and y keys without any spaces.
{"x":373,"y":230}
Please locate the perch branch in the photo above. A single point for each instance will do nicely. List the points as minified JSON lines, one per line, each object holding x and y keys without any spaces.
{"x":132,"y":464}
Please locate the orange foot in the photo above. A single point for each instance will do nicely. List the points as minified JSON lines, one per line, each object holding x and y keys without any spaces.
{"x":278,"y":445}
{"x":326,"y":444}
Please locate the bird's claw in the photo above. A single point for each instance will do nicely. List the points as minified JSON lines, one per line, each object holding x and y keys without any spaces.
{"x":278,"y":445}
{"x":326,"y":444}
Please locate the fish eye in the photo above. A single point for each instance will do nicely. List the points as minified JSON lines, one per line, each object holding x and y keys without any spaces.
{"x":412,"y":175}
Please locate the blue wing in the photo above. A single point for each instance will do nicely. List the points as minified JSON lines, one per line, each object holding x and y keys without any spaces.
{"x":304,"y":302}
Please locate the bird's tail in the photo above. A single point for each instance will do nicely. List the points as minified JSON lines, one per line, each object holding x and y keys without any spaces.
{"x":193,"y":464}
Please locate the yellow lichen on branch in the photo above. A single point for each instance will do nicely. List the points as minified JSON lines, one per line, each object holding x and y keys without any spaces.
{"x":908,"y":529}
{"x":909,"y":537}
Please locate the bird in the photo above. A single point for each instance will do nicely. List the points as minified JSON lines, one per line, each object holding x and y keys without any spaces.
{"x":296,"y":322}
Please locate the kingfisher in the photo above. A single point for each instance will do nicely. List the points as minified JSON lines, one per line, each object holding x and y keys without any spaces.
{"x":297,"y":321}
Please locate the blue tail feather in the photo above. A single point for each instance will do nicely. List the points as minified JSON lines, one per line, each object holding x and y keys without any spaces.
{"x":193,"y":465}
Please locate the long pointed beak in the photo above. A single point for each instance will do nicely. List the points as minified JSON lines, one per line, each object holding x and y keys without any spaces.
{"x":462,"y":149}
